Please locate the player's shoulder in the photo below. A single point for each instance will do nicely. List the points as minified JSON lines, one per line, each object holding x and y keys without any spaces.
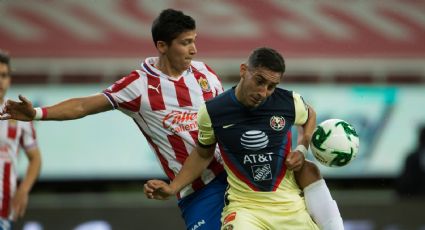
{"x":202,"y":67}
{"x":283,"y":92}
{"x":134,"y":74}
{"x":198,"y":65}
{"x":138,"y":73}
{"x":220,"y":100}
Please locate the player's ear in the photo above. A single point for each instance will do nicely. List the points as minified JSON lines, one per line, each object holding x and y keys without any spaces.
{"x":161,"y":46}
{"x":242,"y":70}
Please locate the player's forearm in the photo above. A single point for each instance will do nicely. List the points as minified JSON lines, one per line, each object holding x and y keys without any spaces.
{"x":33,"y":170}
{"x":76,"y":108}
{"x":65,"y":110}
{"x":193,"y":167}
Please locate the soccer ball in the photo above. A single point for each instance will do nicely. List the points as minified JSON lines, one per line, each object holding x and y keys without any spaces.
{"x":334,"y":143}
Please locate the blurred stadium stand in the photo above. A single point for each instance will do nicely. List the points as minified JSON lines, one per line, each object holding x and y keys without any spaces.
{"x":329,"y":46}
{"x":323,"y":41}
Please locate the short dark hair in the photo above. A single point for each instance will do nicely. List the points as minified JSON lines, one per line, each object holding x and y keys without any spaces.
{"x":267,"y":58}
{"x":4,"y":58}
{"x":170,"y":24}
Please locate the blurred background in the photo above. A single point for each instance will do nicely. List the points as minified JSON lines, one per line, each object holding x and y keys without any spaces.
{"x":361,"y":61}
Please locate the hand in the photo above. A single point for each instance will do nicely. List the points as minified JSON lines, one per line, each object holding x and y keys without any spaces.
{"x":295,"y":160}
{"x":19,"y":204}
{"x":22,"y":110}
{"x":158,"y":189}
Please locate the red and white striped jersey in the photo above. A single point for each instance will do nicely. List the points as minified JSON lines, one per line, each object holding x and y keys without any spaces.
{"x":13,"y":134}
{"x":165,"y":109}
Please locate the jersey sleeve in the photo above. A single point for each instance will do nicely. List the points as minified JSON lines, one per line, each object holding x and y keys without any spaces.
{"x":125,"y":94}
{"x":216,"y":81}
{"x":28,"y":138}
{"x":206,"y":136}
{"x":301,"y":109}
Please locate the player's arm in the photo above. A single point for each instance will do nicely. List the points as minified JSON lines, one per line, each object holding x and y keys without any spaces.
{"x":305,"y":118}
{"x":70,"y":109}
{"x":193,"y":167}
{"x":305,"y":131}
{"x":195,"y":164}
{"x":20,"y":198}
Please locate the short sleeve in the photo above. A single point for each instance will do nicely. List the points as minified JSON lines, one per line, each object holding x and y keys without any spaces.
{"x":301,"y":109}
{"x":126,"y":93}
{"x":28,"y":138}
{"x":206,"y":136}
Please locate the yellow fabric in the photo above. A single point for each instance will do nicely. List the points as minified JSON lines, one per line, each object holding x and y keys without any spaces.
{"x":281,"y":209}
{"x":206,"y":132}
{"x":267,"y":218}
{"x":286,"y":194}
{"x":242,"y":216}
{"x":301,"y":109}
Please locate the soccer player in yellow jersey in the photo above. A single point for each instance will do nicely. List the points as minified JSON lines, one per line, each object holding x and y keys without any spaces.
{"x":252,"y":125}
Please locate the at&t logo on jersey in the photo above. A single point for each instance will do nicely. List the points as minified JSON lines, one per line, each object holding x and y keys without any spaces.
{"x":254,"y":140}
{"x":277,"y":123}
{"x":257,"y":161}
{"x":180,"y":121}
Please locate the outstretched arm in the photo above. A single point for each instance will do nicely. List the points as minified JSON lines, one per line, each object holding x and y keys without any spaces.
{"x":70,"y":109}
{"x":193,"y":167}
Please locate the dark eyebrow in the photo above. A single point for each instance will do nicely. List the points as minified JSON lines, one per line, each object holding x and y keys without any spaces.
{"x":266,"y":80}
{"x":260,"y":75}
{"x":188,"y":40}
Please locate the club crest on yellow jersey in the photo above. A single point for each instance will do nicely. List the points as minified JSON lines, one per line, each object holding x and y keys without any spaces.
{"x":277,"y":122}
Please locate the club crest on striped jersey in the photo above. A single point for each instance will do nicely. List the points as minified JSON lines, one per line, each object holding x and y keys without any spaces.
{"x":203,"y":83}
{"x":277,"y":123}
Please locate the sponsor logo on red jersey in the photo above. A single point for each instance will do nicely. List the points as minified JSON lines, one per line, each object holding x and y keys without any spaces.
{"x":180,"y":121}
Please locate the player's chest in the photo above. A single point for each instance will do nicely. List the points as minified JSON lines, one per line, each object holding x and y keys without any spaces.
{"x":162,"y":95}
{"x":10,"y":131}
{"x":254,"y":132}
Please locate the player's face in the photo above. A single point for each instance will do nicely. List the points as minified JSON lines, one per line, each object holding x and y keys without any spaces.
{"x":182,"y":50}
{"x":4,"y":79}
{"x":256,"y":85}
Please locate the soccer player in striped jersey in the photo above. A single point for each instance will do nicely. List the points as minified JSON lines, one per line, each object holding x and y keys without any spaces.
{"x":252,"y":125}
{"x":163,"y":98}
{"x":13,"y":135}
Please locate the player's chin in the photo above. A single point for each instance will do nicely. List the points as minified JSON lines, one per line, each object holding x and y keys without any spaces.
{"x":187,"y":62}
{"x":254,"y":105}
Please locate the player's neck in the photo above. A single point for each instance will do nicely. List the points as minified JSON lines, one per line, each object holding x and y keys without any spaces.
{"x":238,"y":93}
{"x":165,"y":67}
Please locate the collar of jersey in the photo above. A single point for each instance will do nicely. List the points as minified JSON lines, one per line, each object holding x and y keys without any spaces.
{"x":149,"y":66}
